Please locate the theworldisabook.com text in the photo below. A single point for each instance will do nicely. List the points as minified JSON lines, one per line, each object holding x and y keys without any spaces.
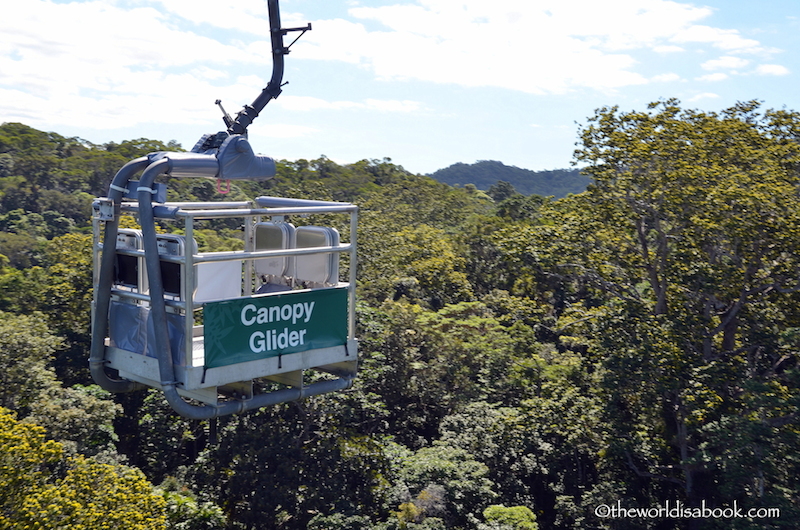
{"x":678,"y":510}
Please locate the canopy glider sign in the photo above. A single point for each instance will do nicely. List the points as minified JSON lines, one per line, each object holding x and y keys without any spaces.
{"x":277,"y":322}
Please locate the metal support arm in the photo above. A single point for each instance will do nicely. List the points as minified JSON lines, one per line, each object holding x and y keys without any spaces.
{"x":273,"y":89}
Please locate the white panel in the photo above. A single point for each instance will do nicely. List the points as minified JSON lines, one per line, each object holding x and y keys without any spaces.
{"x":218,"y":280}
{"x":274,"y":236}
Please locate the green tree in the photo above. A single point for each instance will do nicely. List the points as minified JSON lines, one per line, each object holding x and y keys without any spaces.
{"x":38,"y":491}
{"x":163,"y":442}
{"x":502,"y":190}
{"x":21,"y":250}
{"x":442,"y":482}
{"x":422,"y":365}
{"x":67,"y":301}
{"x":95,"y":495}
{"x":81,"y":418}
{"x":280,"y":466}
{"x":185,"y":512}
{"x":520,"y":207}
{"x":686,"y":246}
{"x":420,"y":263}
{"x":340,"y":521}
{"x":130,"y":149}
{"x":26,"y":461}
{"x":513,"y":518}
{"x":26,"y":347}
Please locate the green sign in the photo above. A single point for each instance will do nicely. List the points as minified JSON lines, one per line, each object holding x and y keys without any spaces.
{"x":247,"y":329}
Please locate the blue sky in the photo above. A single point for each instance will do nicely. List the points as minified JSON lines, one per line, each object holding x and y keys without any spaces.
{"x":426,"y":83}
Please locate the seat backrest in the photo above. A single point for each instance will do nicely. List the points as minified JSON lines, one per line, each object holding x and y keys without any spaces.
{"x":320,"y":269}
{"x":129,"y":271}
{"x":173,"y":245}
{"x":274,"y":236}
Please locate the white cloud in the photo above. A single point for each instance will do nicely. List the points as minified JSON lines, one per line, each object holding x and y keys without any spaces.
{"x":725,"y":39}
{"x":103,"y":66}
{"x":704,"y":95}
{"x":726,"y":62}
{"x":204,"y":72}
{"x":267,"y":129}
{"x":307,"y":103}
{"x":718,"y":76}
{"x":547,"y":46}
{"x":250,"y":16}
{"x":388,"y":105}
{"x":772,"y":69}
{"x":666,"y":78}
{"x":666,"y":48}
{"x":108,"y":63}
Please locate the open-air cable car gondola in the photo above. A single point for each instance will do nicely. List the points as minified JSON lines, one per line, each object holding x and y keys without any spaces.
{"x":276,"y":310}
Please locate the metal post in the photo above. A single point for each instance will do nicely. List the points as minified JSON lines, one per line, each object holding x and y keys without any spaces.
{"x":249,"y":245}
{"x":188,"y":289}
{"x":353,"y":270}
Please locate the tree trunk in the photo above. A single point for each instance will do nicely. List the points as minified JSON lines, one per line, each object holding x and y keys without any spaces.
{"x":656,"y":280}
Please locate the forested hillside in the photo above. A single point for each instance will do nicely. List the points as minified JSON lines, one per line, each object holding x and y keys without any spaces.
{"x":526,"y":362}
{"x":485,"y":174}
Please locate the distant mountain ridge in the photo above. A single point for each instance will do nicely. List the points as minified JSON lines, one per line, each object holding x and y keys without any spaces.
{"x":485,"y":173}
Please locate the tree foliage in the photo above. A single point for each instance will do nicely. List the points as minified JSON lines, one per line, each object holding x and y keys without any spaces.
{"x":26,"y":460}
{"x":90,"y":494}
{"x":523,"y":359}
{"x":96,"y":495}
{"x":486,"y":174}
